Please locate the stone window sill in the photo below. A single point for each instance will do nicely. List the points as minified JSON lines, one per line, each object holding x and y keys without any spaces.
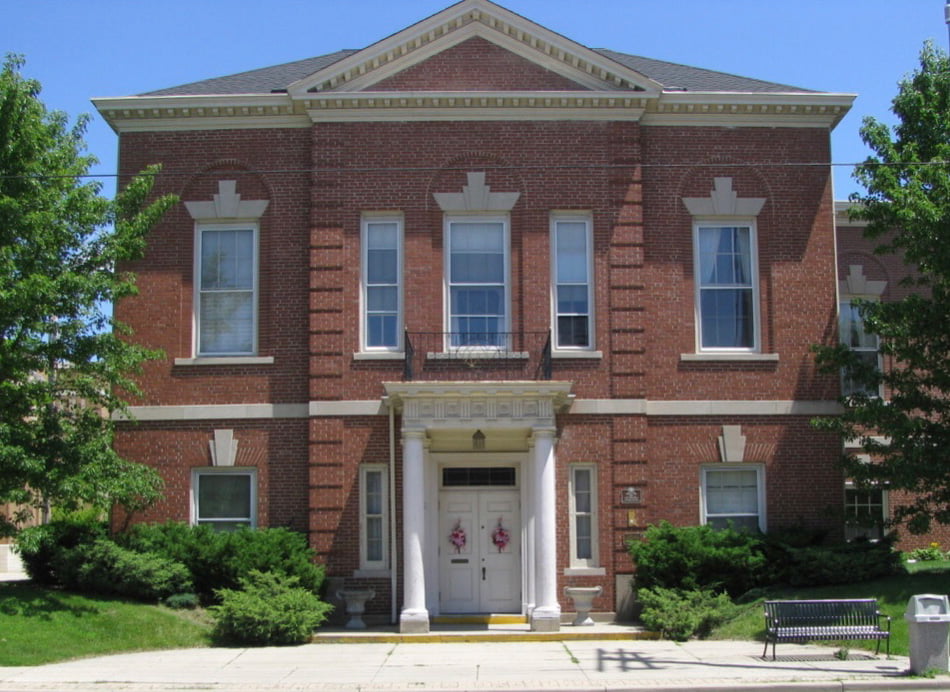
{"x":226,"y":360}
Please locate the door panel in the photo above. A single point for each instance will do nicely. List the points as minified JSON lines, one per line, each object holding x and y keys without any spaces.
{"x":481,"y":574}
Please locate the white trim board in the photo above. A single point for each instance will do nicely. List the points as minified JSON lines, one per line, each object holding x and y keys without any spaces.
{"x":377,"y":407}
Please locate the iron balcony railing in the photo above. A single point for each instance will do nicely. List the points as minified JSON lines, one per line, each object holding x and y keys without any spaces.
{"x":477,"y":356}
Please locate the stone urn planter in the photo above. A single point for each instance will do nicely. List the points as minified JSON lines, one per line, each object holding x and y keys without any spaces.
{"x":583,"y":597}
{"x":355,"y":600}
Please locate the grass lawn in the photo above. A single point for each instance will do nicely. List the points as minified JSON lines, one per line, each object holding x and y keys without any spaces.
{"x":892,"y":594}
{"x":39,"y":625}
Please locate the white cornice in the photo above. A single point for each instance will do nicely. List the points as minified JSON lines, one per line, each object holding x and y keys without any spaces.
{"x":461,"y":22}
{"x":792,"y":109}
{"x":179,"y":113}
{"x":176,"y":113}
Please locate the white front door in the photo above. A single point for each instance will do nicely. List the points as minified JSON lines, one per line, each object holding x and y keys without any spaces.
{"x":480,"y":551}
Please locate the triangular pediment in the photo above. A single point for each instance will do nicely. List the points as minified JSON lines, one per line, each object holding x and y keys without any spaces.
{"x":477,"y":65}
{"x":404,"y":61}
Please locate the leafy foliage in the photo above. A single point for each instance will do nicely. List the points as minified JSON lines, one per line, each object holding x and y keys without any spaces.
{"x":699,"y":557}
{"x":677,"y":614}
{"x":271,"y":609}
{"x":907,"y":207}
{"x":220,"y":559}
{"x":62,"y":359}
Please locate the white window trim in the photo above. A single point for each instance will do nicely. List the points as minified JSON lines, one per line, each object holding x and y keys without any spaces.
{"x":227,"y":471}
{"x":374,"y":566}
{"x":366,"y":221}
{"x":200,"y":227}
{"x":594,"y":560}
{"x":885,"y":503}
{"x":760,"y":489}
{"x":449,"y":219}
{"x":578,"y":351}
{"x":880,"y":361}
{"x":722,"y":222}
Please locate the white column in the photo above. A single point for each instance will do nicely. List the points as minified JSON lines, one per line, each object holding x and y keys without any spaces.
{"x":546,"y":616}
{"x":529,"y":513}
{"x":414,"y":617}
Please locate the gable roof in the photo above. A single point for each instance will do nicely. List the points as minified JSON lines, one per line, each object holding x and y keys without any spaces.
{"x":671,"y":76}
{"x":352,"y":85}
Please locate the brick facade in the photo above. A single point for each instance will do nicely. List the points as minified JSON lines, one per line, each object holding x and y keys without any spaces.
{"x":648,"y":417}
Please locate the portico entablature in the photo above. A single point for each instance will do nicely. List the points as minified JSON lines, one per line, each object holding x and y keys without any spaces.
{"x":426,"y":405}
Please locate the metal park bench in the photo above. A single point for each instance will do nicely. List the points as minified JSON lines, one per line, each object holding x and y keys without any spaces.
{"x":802,"y":621}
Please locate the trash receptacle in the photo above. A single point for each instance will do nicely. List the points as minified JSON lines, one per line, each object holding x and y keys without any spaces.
{"x":928,"y":626}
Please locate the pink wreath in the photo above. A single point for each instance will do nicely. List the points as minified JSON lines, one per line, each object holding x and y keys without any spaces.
{"x":501,"y":537}
{"x":457,"y":537}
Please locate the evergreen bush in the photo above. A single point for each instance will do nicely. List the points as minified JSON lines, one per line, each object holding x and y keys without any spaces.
{"x":221,"y":559}
{"x":106,"y":568}
{"x":688,"y":558}
{"x":677,"y":614}
{"x":843,"y":563}
{"x":40,"y":546}
{"x":270,"y":609}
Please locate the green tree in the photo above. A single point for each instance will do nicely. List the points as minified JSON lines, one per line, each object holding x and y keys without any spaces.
{"x":907,"y":207}
{"x":63,"y":362}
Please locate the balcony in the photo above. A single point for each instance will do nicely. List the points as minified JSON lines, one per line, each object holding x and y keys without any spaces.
{"x":477,"y":356}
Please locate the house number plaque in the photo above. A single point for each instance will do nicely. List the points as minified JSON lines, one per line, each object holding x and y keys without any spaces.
{"x":631,"y":496}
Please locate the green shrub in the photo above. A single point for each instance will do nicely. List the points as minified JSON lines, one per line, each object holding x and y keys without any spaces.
{"x":679,"y":615}
{"x":927,"y":554}
{"x":844,"y":563}
{"x":220,"y":559}
{"x":106,"y":568}
{"x":699,"y":557}
{"x":182,"y":601}
{"x":40,"y":546}
{"x":270,"y":610}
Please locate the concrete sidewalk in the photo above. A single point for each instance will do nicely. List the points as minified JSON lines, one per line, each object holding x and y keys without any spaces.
{"x":704,"y":666}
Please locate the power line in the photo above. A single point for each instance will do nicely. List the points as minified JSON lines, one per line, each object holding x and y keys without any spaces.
{"x":427,"y":169}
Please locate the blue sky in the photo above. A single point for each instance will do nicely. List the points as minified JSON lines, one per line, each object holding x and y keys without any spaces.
{"x":81,"y":50}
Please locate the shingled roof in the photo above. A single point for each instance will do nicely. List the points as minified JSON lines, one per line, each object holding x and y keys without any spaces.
{"x":673,"y":77}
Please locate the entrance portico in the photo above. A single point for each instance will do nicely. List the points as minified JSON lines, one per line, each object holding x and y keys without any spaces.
{"x":515,"y":422}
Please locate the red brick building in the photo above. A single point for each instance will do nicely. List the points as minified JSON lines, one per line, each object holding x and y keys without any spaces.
{"x":866,"y":275}
{"x":476,"y":304}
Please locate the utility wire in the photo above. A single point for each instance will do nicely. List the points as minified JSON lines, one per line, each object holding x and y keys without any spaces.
{"x":425,"y":169}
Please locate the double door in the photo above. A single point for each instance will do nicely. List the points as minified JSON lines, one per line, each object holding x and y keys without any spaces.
{"x":479,"y":551}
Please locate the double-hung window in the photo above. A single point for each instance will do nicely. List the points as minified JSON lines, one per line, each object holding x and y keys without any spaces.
{"x":573,"y":300}
{"x":864,"y":510}
{"x":727,"y":299}
{"x":583,"y":509}
{"x":382,"y":284}
{"x":861,"y":343}
{"x":224,"y":499}
{"x":477,"y":252}
{"x":733,"y":495}
{"x":226,"y":312}
{"x":373,"y":517}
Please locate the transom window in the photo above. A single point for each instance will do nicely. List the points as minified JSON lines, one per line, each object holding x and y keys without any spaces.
{"x":467,"y":476}
{"x":572,"y":283}
{"x":726,"y":287}
{"x":225,"y":500}
{"x":477,"y":282}
{"x":733,"y":495}
{"x":227,"y":286}
{"x":382,"y":281}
